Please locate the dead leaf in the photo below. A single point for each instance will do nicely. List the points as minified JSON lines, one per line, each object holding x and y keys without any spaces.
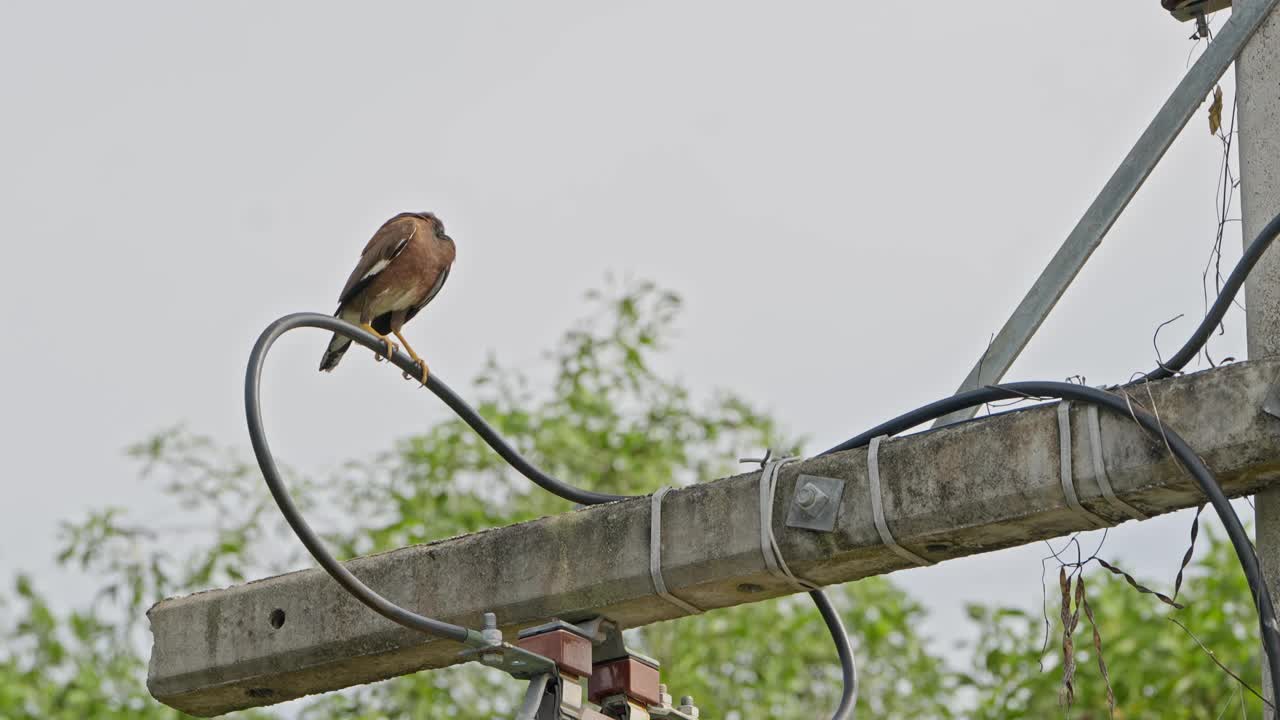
{"x":1215,"y":111}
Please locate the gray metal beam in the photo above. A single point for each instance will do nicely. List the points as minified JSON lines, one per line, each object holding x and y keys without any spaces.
{"x":988,"y":484}
{"x":1115,"y":196}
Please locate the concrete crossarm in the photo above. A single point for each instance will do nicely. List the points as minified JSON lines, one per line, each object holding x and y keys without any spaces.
{"x":971,"y":488}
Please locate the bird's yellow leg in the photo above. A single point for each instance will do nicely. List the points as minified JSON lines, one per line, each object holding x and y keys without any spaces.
{"x":416,"y":357}
{"x":391,"y":347}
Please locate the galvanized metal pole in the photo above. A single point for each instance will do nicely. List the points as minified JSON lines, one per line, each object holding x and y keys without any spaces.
{"x":1258,"y":95}
{"x":1115,"y":196}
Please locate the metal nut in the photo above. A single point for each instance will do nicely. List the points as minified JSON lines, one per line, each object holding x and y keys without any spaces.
{"x":811,"y":499}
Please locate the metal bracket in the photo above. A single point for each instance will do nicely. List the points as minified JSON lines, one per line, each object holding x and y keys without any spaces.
{"x":816,"y":503}
{"x":517,"y":662}
{"x":514,"y":661}
{"x":606,"y":638}
{"x":1186,"y":10}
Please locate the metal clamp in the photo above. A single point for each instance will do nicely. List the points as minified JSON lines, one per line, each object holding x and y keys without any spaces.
{"x":877,"y":506}
{"x":1100,"y":466}
{"x":655,"y":554}
{"x":773,"y":560}
{"x":1064,"y":455}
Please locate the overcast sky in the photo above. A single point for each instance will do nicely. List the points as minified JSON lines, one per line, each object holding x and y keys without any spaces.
{"x":875,"y":184}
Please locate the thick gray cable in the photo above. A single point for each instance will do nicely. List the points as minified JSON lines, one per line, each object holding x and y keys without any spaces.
{"x":773,"y":560}
{"x":1100,"y":466}
{"x":1064,"y":454}
{"x":655,"y":554}
{"x":877,"y":506}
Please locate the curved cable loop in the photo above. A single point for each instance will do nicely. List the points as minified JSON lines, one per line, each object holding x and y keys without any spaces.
{"x":271,"y":473}
{"x":435,"y":385}
{"x":365,"y":594}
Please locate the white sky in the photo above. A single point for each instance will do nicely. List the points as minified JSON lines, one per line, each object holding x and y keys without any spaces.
{"x":876,"y":185}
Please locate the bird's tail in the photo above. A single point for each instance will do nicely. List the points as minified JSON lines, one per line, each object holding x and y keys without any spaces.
{"x":337,"y":346}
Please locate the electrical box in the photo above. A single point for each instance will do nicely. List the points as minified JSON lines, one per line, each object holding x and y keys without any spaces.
{"x":1185,"y":10}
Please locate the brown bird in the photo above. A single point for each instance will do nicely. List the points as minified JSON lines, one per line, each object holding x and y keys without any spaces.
{"x":401,"y":270}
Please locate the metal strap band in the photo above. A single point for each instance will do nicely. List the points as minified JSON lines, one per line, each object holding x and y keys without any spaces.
{"x":773,"y":559}
{"x":1100,"y":467}
{"x":877,"y":505}
{"x":1064,"y":454}
{"x":655,"y":554}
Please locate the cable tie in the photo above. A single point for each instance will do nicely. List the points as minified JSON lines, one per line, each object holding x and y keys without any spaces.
{"x":655,"y":554}
{"x":1100,"y":466}
{"x":773,"y":560}
{"x":1064,"y":454}
{"x":877,"y":506}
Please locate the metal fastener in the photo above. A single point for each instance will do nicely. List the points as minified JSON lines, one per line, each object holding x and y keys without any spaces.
{"x":811,"y":499}
{"x":816,"y":503}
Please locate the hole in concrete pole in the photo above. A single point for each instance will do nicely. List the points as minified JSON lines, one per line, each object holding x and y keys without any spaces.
{"x":277,"y":618}
{"x":750,"y":588}
{"x":260,"y":692}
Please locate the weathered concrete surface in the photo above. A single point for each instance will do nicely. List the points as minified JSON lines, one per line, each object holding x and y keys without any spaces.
{"x":1258,"y":94}
{"x":966,"y":489}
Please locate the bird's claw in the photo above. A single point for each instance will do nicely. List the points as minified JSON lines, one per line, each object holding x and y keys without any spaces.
{"x":425,"y":373}
{"x":391,"y":351}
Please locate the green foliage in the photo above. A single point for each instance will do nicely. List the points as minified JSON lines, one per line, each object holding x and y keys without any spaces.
{"x":609,"y":421}
{"x":1156,"y":669}
{"x":775,"y":659}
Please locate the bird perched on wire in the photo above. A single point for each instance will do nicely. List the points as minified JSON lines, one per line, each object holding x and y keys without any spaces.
{"x":401,"y":270}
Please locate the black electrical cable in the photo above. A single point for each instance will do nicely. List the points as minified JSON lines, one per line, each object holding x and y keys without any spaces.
{"x":365,"y":594}
{"x":1219,"y":309}
{"x":906,"y":421}
{"x":1179,"y":447}
{"x":271,"y":473}
{"x":435,"y":385}
{"x":1183,"y":452}
{"x":848,"y":670}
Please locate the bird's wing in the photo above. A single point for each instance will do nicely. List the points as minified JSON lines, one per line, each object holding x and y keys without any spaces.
{"x":435,"y":290}
{"x":390,"y":240}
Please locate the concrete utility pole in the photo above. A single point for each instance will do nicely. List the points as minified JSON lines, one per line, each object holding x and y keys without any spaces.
{"x":1258,"y":95}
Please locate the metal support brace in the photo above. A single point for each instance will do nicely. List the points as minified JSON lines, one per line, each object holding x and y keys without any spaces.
{"x":1115,"y":196}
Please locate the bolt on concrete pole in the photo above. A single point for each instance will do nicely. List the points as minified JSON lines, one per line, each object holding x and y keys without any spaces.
{"x":1258,"y":95}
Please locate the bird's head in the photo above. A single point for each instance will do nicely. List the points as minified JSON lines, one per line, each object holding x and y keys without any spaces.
{"x":434,"y":222}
